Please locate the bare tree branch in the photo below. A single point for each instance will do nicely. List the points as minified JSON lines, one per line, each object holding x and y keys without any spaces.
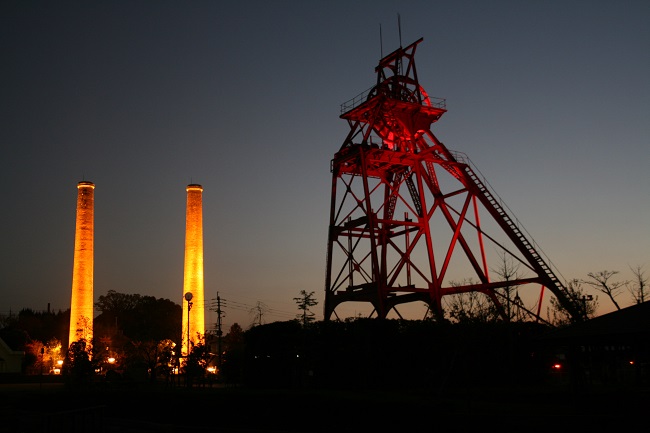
{"x":600,"y":281}
{"x":640,"y":288}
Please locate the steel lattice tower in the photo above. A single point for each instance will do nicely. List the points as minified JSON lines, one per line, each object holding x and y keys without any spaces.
{"x":404,"y":214}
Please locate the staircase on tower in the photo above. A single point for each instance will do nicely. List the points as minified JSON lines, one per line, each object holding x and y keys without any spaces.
{"x":414,"y":224}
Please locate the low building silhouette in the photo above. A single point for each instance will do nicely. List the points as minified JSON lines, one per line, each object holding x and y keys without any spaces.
{"x":10,"y":360}
{"x":608,"y":350}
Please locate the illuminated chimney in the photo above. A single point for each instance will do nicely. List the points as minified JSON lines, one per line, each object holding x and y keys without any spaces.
{"x":193,"y":280}
{"x":81,"y":304}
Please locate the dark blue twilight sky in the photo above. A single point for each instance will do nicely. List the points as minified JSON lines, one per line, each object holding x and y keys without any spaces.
{"x":550,"y":99}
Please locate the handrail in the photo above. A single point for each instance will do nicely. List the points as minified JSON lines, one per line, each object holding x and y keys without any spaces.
{"x":356,"y":101}
{"x":463,"y":158}
{"x":362,"y":97}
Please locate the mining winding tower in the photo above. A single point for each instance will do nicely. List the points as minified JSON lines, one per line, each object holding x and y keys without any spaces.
{"x":404,"y":218}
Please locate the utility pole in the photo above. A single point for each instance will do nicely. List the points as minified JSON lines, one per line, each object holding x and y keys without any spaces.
{"x":259,"y":313}
{"x":219,"y":333}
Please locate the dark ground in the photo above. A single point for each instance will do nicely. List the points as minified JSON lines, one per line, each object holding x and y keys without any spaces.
{"x":51,"y":407}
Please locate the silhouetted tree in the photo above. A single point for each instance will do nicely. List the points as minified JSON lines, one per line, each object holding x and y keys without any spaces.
{"x":258,"y":312}
{"x":600,"y":281}
{"x":155,"y":319}
{"x":305,"y":301}
{"x":469,"y":307}
{"x":639,"y":287}
{"x":508,"y":270}
{"x":134,"y":327}
{"x":139,"y":318}
{"x":141,"y":360}
{"x":44,"y":325}
{"x":78,"y":368}
{"x":197,"y":362}
{"x":560,"y":316}
{"x":42,"y":357}
{"x":167,"y":359}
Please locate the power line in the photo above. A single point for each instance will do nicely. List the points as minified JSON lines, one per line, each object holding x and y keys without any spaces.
{"x":240,"y":306}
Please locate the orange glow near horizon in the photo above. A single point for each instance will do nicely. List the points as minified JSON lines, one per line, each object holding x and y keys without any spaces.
{"x":193,"y":270}
{"x":81,"y":304}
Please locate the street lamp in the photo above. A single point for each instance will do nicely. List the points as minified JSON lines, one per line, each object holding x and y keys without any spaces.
{"x":188,"y":298}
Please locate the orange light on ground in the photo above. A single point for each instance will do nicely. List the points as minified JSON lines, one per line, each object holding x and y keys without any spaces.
{"x":81,"y":304}
{"x":556,"y":366}
{"x":193,"y":318}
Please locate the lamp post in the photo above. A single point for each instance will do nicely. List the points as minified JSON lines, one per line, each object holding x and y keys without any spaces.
{"x":188,"y":298}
